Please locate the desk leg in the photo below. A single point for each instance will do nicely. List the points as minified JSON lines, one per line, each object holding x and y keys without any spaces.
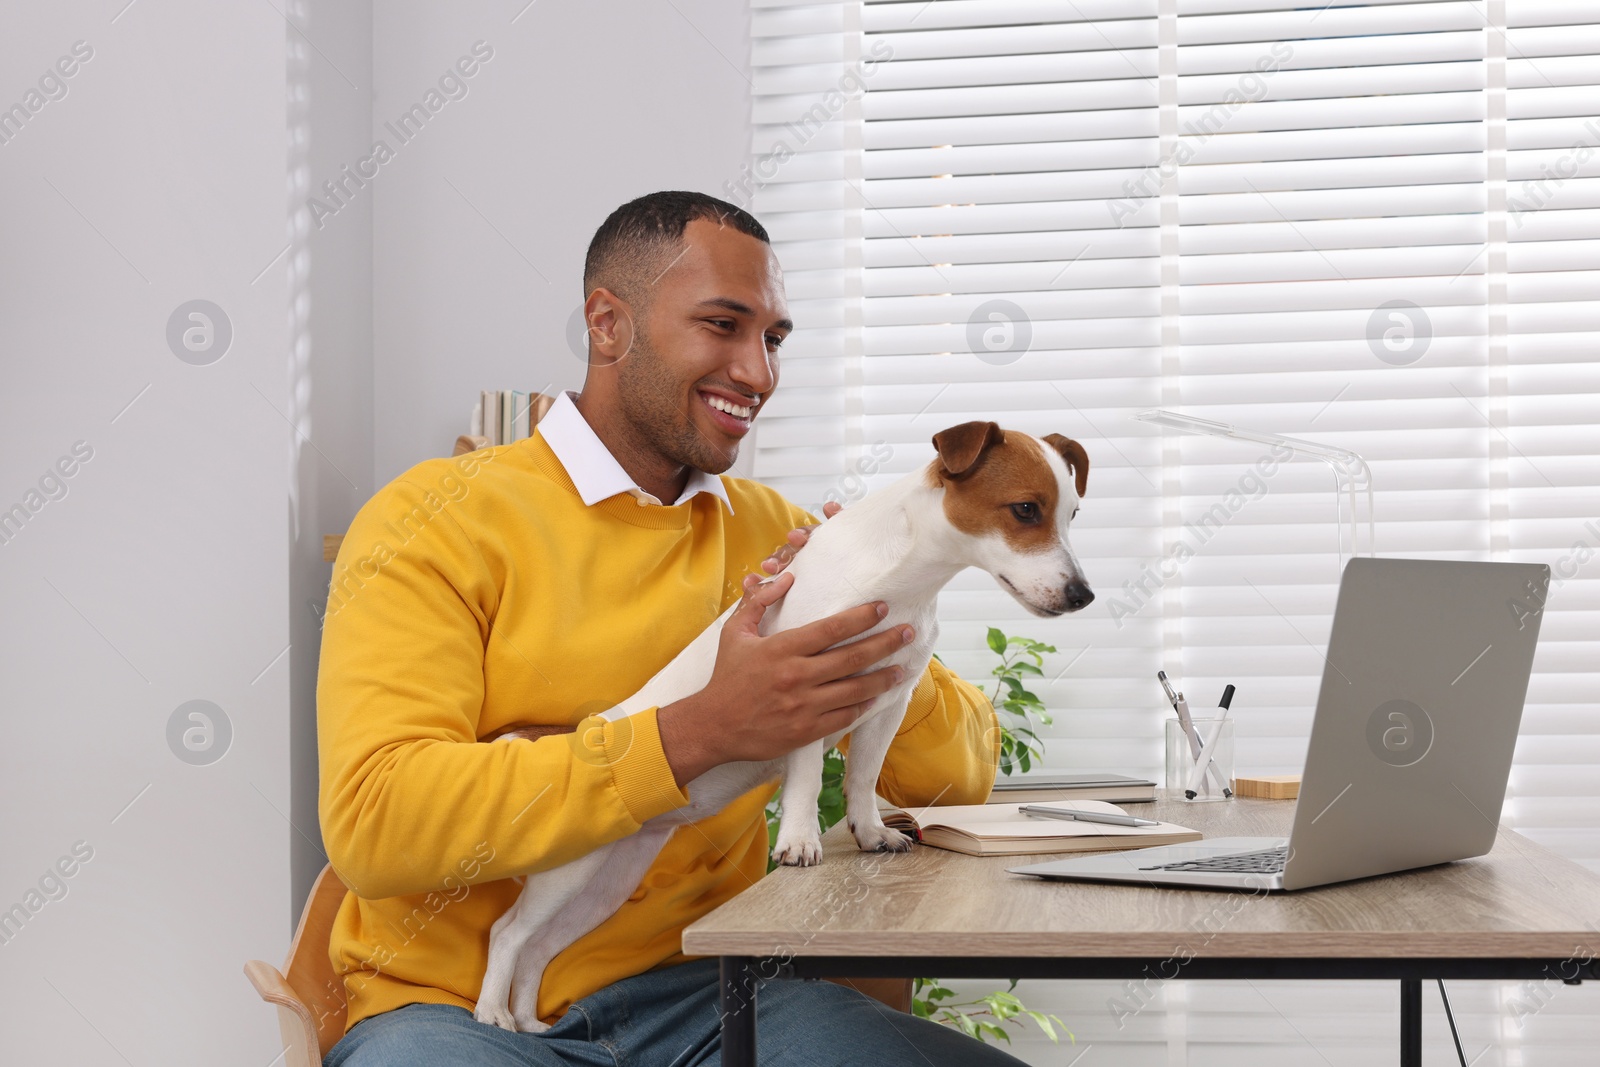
{"x":1410,"y":1022}
{"x":737,"y":979}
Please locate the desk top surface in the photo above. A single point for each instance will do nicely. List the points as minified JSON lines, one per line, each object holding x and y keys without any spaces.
{"x":1520,"y":900}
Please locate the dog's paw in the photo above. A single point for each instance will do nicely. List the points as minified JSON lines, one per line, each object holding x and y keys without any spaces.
{"x":525,"y":992}
{"x":800,"y":850}
{"x":530,"y":1024}
{"x":876,"y":837}
{"x":496,"y":1015}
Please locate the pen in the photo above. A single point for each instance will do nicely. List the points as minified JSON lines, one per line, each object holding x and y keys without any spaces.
{"x":1198,"y":748}
{"x":1227,"y":699}
{"x":1077,"y":815}
{"x":1180,"y":707}
{"x":1172,"y":698}
{"x":1204,"y":762}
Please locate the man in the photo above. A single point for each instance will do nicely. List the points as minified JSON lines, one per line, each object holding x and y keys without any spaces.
{"x":540,"y":583}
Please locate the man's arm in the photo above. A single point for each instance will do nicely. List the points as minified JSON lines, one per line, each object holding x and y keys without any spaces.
{"x":408,"y":797}
{"x":948,"y":747}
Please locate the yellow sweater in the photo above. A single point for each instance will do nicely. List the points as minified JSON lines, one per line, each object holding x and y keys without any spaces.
{"x":479,"y":592}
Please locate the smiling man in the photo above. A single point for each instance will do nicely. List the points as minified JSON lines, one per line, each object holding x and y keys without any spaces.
{"x":538,"y":584}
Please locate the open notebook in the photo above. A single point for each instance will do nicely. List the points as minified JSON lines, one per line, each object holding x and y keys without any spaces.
{"x":1001,"y":830}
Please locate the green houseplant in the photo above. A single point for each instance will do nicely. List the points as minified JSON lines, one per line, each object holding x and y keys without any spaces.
{"x":1016,"y":709}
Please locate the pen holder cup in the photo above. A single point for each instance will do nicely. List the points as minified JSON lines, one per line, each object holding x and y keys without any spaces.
{"x":1217,"y":782}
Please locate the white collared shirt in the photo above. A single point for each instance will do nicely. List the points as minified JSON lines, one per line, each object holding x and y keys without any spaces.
{"x":595,"y":471}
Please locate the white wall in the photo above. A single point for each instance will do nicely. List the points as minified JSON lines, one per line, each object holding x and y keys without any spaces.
{"x":158,"y":578}
{"x":184,"y":560}
{"x":481,"y":222}
{"x":329,"y":92}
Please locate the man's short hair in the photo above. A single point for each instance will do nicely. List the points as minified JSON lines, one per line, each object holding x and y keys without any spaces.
{"x":637,"y":241}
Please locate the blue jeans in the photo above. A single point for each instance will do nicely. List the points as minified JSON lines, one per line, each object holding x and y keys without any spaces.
{"x":668,"y":1017}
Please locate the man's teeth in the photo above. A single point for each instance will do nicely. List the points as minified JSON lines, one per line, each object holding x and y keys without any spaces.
{"x":722,"y":405}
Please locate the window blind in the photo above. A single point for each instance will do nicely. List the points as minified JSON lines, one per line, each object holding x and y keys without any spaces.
{"x":988,"y":281}
{"x":1552,"y":404}
{"x":1372,"y":225}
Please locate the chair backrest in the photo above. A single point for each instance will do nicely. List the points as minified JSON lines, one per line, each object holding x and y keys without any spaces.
{"x":308,"y":970}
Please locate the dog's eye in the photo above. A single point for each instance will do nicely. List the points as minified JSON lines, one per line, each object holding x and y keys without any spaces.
{"x":1026,"y":512}
{"x":1074,"y":513}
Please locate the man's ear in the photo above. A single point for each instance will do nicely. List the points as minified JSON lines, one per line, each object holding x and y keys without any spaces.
{"x":961,"y":448}
{"x":608,"y":324}
{"x":1076,"y":458}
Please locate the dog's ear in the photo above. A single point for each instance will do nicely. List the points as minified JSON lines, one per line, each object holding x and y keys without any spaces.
{"x":961,"y":448}
{"x":1076,"y":458}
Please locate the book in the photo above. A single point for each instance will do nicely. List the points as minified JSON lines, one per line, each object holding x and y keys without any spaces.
{"x":519,"y":417}
{"x":1045,"y":788}
{"x":1002,"y":830}
{"x":491,"y":415}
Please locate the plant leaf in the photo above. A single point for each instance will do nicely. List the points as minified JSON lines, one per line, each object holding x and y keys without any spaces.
{"x":1044,"y":1024}
{"x":996,"y":1031}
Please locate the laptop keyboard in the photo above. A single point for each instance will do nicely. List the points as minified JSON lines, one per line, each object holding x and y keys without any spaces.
{"x":1267,"y":861}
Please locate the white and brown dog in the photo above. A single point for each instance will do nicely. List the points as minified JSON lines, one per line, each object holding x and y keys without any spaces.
{"x":995,"y":499}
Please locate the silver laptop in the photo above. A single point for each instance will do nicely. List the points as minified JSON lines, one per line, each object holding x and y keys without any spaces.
{"x":1422,"y":692}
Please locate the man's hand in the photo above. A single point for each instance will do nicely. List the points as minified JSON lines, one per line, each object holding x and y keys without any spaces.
{"x":781,"y":555}
{"x":770,"y":695}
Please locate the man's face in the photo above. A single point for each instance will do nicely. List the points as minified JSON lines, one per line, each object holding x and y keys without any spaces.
{"x":715,"y":319}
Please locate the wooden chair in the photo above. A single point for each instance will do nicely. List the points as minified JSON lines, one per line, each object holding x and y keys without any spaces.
{"x":310,"y":998}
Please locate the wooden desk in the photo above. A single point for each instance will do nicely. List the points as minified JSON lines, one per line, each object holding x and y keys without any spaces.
{"x":1521,"y":912}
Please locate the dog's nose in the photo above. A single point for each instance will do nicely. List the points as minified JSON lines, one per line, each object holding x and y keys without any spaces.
{"x":1079,"y":596}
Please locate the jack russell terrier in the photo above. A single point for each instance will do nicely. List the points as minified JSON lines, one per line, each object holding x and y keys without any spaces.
{"x":996,"y":499}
